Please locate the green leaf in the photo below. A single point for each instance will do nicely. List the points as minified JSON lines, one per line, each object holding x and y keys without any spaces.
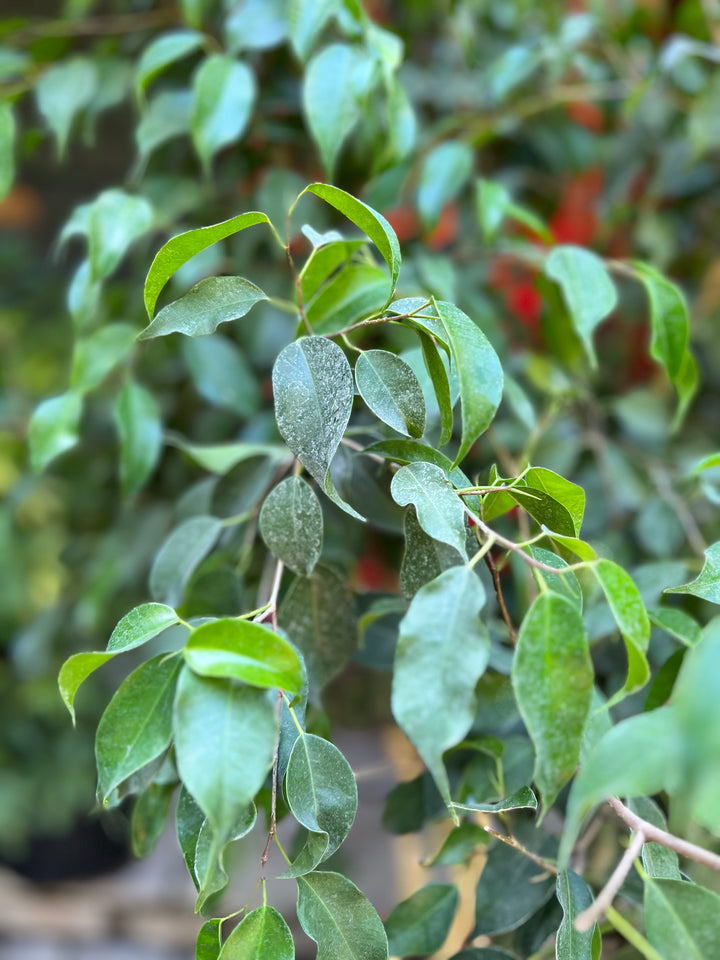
{"x":412,"y":451}
{"x":222,"y":457}
{"x":291,"y":524}
{"x":166,"y":117}
{"x":318,"y":613}
{"x":340,"y":919}
{"x":7,"y":148}
{"x":115,"y":221}
{"x":441,"y":385}
{"x":442,"y":651}
{"x":96,"y":355}
{"x":574,"y":896}
{"x":576,"y":546}
{"x":209,"y":303}
{"x":162,"y":52}
{"x":424,"y":558}
{"x":137,"y":419}
{"x":224,"y":741}
{"x":355,"y":292}
{"x":224,"y":93}
{"x":483,"y":953}
{"x":566,"y":585}
{"x":256,"y":25}
{"x":148,"y":817}
{"x":495,"y":205}
{"x":336,"y":81}
{"x":479,"y":373}
{"x":181,"y":248}
{"x":631,"y":617}
{"x":306,"y":19}
{"x":209,"y":940}
{"x":140,"y":625}
{"x":552,"y":676}
{"x":589,"y":293}
{"x":420,"y":924}
{"x":62,"y":91}
{"x":459,"y":845}
{"x":682,"y":919}
{"x":391,"y":390}
{"x":242,"y":650}
{"x":677,"y":623}
{"x":261,"y":935}
{"x":522,"y":799}
{"x":568,"y":494}
{"x":325,"y":260}
{"x":439,"y":509}
{"x":189,"y":820}
{"x":54,"y":428}
{"x":179,"y":555}
{"x":221,"y":373}
{"x":443,"y":174}
{"x":372,"y":223}
{"x":209,"y":871}
{"x":707,"y":584}
{"x":136,"y":726}
{"x":74,"y":671}
{"x":313,"y":390}
{"x":658,"y":861}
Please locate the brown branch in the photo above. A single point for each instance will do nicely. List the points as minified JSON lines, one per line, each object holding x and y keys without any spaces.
{"x":492,"y":567}
{"x":273,"y":802}
{"x":686,"y":849}
{"x":516,"y":845}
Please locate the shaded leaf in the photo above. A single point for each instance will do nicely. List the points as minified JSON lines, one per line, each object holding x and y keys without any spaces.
{"x":444,"y":172}
{"x":224,"y":93}
{"x":62,"y":91}
{"x":340,"y":919}
{"x":412,"y":451}
{"x":306,"y":19}
{"x":439,"y":510}
{"x":495,"y":205}
{"x":162,"y":52}
{"x":566,"y":585}
{"x":682,"y":919}
{"x":424,"y":558}
{"x":261,"y":935}
{"x":137,"y":419}
{"x":441,"y":385}
{"x":574,"y":896}
{"x":707,"y":584}
{"x":420,"y":924}
{"x":658,"y":861}
{"x":209,"y":303}
{"x":7,"y":148}
{"x":221,"y":373}
{"x":631,"y":617}
{"x":524,"y":798}
{"x":221,"y":457}
{"x":148,"y":817}
{"x":291,"y":524}
{"x":54,"y":428}
{"x":96,"y":355}
{"x":115,"y":221}
{"x":209,"y":938}
{"x":459,"y":845}
{"x":391,"y":390}
{"x":179,"y":555}
{"x":167,"y":116}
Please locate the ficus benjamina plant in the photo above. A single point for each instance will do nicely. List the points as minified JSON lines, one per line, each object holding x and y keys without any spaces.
{"x":414,"y":506}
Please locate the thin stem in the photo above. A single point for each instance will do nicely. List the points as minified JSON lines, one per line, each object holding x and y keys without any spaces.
{"x":633,"y":936}
{"x":354,"y":445}
{"x":273,"y":802}
{"x":492,"y":567}
{"x":585,"y":920}
{"x":271,"y":607}
{"x":516,"y":845}
{"x":651,"y":833}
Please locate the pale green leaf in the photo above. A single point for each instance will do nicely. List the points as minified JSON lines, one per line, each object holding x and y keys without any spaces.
{"x":115,"y":221}
{"x":62,"y":91}
{"x":443,"y":174}
{"x":211,"y":302}
{"x":552,"y":676}
{"x":137,"y":419}
{"x":140,"y":625}
{"x":162,"y":52}
{"x":222,"y":457}
{"x":179,"y":555}
{"x":54,"y":428}
{"x":524,"y":798}
{"x":83,"y":296}
{"x":439,"y":509}
{"x":574,"y":896}
{"x":566,"y":585}
{"x":677,"y":623}
{"x":149,"y":816}
{"x":256,"y":25}
{"x":682,"y":919}
{"x":576,"y":546}
{"x":568,"y":494}
{"x":357,"y":291}
{"x":166,"y":117}
{"x":221,"y":373}
{"x":100,"y":352}
{"x":306,"y":19}
{"x":629,"y":611}
{"x":261,"y":935}
{"x":391,"y":390}
{"x":7,"y":148}
{"x":707,"y":584}
{"x":420,"y":924}
{"x":442,"y":651}
{"x":224,"y":93}
{"x":589,"y":293}
{"x":74,"y":671}
{"x":291,"y":524}
{"x":340,"y":919}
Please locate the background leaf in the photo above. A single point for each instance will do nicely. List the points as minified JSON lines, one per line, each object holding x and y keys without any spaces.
{"x":115,"y":221}
{"x":162,"y":52}
{"x":682,"y":919}
{"x":137,"y":419}
{"x":7,"y":148}
{"x":224,"y":93}
{"x":444,"y":171}
{"x":420,"y":924}
{"x":291,"y":524}
{"x":631,"y":617}
{"x":306,"y":19}
{"x":62,"y":91}
{"x":54,"y":428}
{"x":179,"y":555}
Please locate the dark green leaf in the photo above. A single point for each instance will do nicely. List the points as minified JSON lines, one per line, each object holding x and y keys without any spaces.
{"x":424,"y":558}
{"x":574,"y":896}
{"x":313,"y":390}
{"x":162,"y":52}
{"x":7,"y":148}
{"x":459,"y":845}
{"x":224,"y":93}
{"x":340,"y":919}
{"x":707,"y":584}
{"x":442,"y":651}
{"x":552,"y":676}
{"x":54,"y":428}
{"x":391,"y":390}
{"x":439,"y":510}
{"x":524,"y":798}
{"x":507,"y":870}
{"x":291,"y":524}
{"x":631,"y":617}
{"x":115,"y":221}
{"x":261,"y":935}
{"x":441,"y":385}
{"x":189,"y":820}
{"x":306,"y":19}
{"x":208,"y":304}
{"x":137,"y":419}
{"x":221,"y":373}
{"x":412,"y":451}
{"x":136,"y":726}
{"x":148,"y":817}
{"x":209,"y":862}
{"x":242,"y":650}
{"x":682,"y":919}
{"x":209,"y":940}
{"x":179,"y":555}
{"x":62,"y":91}
{"x":243,"y":487}
{"x":483,"y":953}
{"x":420,"y":924}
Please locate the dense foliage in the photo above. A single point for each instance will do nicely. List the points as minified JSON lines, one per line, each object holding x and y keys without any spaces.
{"x":406,"y":423}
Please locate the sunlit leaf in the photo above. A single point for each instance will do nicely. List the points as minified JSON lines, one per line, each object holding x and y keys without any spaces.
{"x":74,"y":671}
{"x":209,"y":938}
{"x":140,"y":625}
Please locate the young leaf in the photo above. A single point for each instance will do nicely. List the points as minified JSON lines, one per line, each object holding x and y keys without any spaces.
{"x":7,"y":148}
{"x":339,"y":918}
{"x":139,"y":428}
{"x":224,"y":741}
{"x":707,"y":584}
{"x":242,"y":650}
{"x":148,"y":817}
{"x":291,"y":524}
{"x":54,"y":428}
{"x":420,"y":924}
{"x":682,"y":919}
{"x":574,"y":896}
{"x":209,"y":303}
{"x":62,"y":91}
{"x":261,"y":935}
{"x":306,"y":19}
{"x":179,"y":555}
{"x":224,"y":93}
{"x":209,"y":940}
{"x":162,"y":52}
{"x":589,"y":293}
{"x":552,"y":676}
{"x":443,"y":174}
{"x":391,"y":390}
{"x":631,"y":617}
{"x":136,"y":726}
{"x":74,"y":671}
{"x":442,"y":651}
{"x":480,"y":375}
{"x":140,"y":625}
{"x":439,"y":509}
{"x":313,"y":390}
{"x":115,"y":221}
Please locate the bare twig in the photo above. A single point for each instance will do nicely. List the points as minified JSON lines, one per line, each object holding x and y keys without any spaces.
{"x":686,"y":849}
{"x":516,"y":845}
{"x":273,"y":802}
{"x":492,"y":567}
{"x":585,"y":920}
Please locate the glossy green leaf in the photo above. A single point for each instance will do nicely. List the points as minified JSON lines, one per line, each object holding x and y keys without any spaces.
{"x":291,"y":524}
{"x":340,"y":919}
{"x":336,"y":80}
{"x":261,"y":935}
{"x":677,"y":623}
{"x":479,"y":373}
{"x":581,"y":549}
{"x":372,"y":223}
{"x":209,"y":303}
{"x":412,"y":451}
{"x":424,"y":558}
{"x":7,"y":148}
{"x":659,"y":862}
{"x":441,"y":385}
{"x":420,"y":924}
{"x":166,"y":117}
{"x":139,"y":427}
{"x":568,"y":494}
{"x":707,"y":584}
{"x":306,"y":19}
{"x":318,"y":613}
{"x":224,"y":742}
{"x":326,"y":259}
{"x":221,"y":373}
{"x":439,"y":510}
{"x":444,"y":172}
{"x":588,"y":291}
{"x":209,"y":940}
{"x":54,"y":428}
{"x":552,"y":676}
{"x":179,"y":555}
{"x":540,"y":505}
{"x":524,"y":798}
{"x":136,"y":726}
{"x":224,"y":93}
{"x":62,"y":91}
{"x":140,"y":625}
{"x":115,"y":221}
{"x":242,"y":650}
{"x":74,"y":671}
{"x":391,"y":390}
{"x":148,"y":817}
{"x":630,"y":614}
{"x":181,"y":248}
{"x":162,"y":52}
{"x":442,"y":651}
{"x":574,"y":896}
{"x":96,"y":355}
{"x":354,"y":293}
{"x":682,"y":919}
{"x":313,"y":390}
